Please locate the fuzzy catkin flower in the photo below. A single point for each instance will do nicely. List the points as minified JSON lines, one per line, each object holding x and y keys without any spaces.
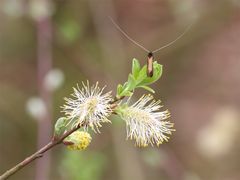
{"x":89,"y":106}
{"x":145,"y":123}
{"x":78,"y":140}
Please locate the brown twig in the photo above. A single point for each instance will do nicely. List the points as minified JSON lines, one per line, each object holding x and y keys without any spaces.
{"x":55,"y":141}
{"x":117,"y":99}
{"x":38,"y":154}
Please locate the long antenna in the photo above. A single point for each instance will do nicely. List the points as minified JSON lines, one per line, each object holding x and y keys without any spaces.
{"x":142,"y":47}
{"x":127,"y":36}
{"x":172,"y":42}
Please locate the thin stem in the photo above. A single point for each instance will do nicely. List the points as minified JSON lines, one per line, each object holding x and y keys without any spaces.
{"x":38,"y":154}
{"x":55,"y":141}
{"x":26,"y":161}
{"x":117,"y":99}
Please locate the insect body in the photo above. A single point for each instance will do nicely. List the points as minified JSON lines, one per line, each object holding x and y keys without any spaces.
{"x":150,"y":70}
{"x":150,"y":64}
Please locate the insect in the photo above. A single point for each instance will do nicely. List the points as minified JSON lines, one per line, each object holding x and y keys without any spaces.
{"x":150,"y":53}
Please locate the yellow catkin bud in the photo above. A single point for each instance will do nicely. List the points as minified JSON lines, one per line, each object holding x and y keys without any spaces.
{"x":80,"y":140}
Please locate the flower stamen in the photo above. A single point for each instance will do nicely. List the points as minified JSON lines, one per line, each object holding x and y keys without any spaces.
{"x":88,"y":106}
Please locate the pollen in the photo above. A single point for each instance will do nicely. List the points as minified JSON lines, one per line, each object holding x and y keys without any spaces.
{"x":88,"y":105}
{"x":80,"y":140}
{"x":146,"y":124}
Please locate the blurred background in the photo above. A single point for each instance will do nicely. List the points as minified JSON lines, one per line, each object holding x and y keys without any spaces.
{"x":47,"y":47}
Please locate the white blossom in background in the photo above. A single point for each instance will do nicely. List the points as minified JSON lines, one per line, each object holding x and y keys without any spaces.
{"x":145,"y":123}
{"x":187,"y":10}
{"x":40,"y":9}
{"x":217,"y":139}
{"x":36,"y":108}
{"x":12,"y":8}
{"x":88,"y":106}
{"x":54,"y":79}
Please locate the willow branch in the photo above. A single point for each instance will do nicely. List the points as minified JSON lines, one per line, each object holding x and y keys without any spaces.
{"x":38,"y":154}
{"x":54,"y":141}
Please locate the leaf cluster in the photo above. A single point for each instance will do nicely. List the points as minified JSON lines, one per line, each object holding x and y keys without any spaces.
{"x":139,"y":79}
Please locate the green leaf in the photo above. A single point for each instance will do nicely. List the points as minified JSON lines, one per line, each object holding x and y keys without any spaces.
{"x":120,"y":109}
{"x":142,"y":74}
{"x":60,"y":126}
{"x":126,"y":93}
{"x":131,"y":84}
{"x":139,"y":78}
{"x":119,"y":89}
{"x":157,"y":73}
{"x":135,"y":67}
{"x":125,"y":85}
{"x":147,"y":88}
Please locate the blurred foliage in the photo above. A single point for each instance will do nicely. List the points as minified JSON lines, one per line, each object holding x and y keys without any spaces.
{"x":69,"y":31}
{"x":87,"y":165}
{"x":200,"y":79}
